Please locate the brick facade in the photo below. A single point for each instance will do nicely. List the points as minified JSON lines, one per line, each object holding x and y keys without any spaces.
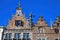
{"x":39,"y":31}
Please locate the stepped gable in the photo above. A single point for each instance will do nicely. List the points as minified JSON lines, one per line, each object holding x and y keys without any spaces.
{"x":18,"y":20}
{"x":41,"y":22}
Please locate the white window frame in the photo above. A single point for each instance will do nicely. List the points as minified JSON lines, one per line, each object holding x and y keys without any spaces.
{"x":59,"y":30}
{"x":41,"y":30}
{"x":42,"y":38}
{"x":57,"y":38}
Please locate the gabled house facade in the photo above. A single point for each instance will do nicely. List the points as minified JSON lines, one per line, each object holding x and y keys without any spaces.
{"x":19,"y":28}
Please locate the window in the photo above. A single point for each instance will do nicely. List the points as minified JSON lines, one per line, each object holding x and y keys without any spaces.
{"x":41,"y":30}
{"x":56,"y":30}
{"x":58,"y":24}
{"x":39,"y":39}
{"x":22,"y":23}
{"x":42,"y":38}
{"x":17,"y":35}
{"x":59,"y":30}
{"x":26,"y":35}
{"x":19,"y":23}
{"x":8,"y":35}
{"x":57,"y":38}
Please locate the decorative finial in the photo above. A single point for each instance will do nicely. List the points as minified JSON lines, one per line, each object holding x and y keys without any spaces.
{"x":41,"y":18}
{"x":58,"y":18}
{"x":30,"y":20}
{"x":19,"y":6}
{"x":30,"y":14}
{"x":51,"y":23}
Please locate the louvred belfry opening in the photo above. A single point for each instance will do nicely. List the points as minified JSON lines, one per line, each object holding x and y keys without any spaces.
{"x":56,"y":30}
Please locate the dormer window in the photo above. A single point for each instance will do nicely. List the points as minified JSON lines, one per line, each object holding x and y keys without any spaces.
{"x":41,"y":30}
{"x":19,"y":23}
{"x":58,"y":24}
{"x":56,"y":30}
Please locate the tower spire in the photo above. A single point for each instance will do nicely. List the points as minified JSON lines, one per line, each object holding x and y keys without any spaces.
{"x":19,"y":6}
{"x":19,"y":10}
{"x":31,"y":20}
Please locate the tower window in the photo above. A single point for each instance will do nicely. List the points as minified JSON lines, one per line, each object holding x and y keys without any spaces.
{"x":19,"y":23}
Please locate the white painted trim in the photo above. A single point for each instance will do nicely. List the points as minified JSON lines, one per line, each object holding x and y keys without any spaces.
{"x":1,"y":30}
{"x":57,"y":38}
{"x":42,"y":37}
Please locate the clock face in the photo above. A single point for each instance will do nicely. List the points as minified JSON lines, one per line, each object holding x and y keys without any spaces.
{"x":19,"y":23}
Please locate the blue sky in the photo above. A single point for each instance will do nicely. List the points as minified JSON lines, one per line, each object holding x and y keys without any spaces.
{"x":49,"y":9}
